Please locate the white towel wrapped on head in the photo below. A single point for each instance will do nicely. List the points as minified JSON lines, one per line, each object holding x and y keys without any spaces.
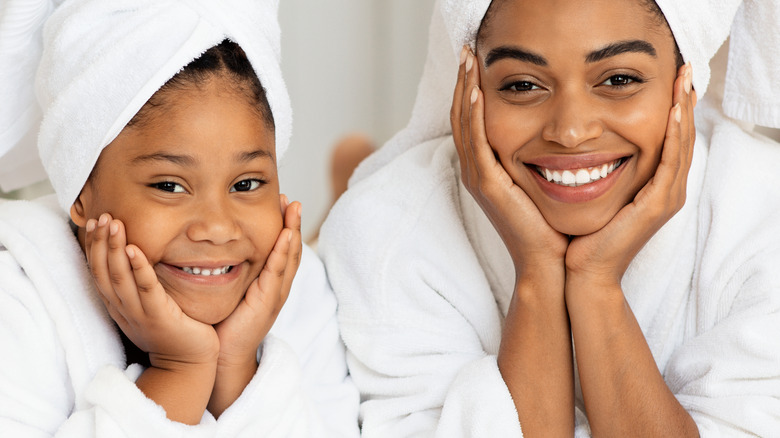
{"x":103,"y":60}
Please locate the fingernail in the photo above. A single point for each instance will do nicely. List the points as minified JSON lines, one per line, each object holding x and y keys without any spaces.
{"x":286,"y":200}
{"x":300,"y":210}
{"x":677,"y":112}
{"x":130,"y":252}
{"x":469,"y":62}
{"x":474,"y":95}
{"x":687,"y":80}
{"x":91,"y":225}
{"x":463,"y":54}
{"x":289,"y":236}
{"x":113,"y":228}
{"x":103,"y":220}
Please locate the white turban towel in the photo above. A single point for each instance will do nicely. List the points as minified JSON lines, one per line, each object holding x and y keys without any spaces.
{"x":102,"y":60}
{"x":700,"y":27}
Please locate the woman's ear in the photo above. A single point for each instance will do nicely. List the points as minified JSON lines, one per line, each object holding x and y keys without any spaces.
{"x":78,"y":211}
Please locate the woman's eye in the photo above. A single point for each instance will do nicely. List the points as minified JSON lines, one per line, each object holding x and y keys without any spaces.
{"x":620,"y":80}
{"x":247,"y":185}
{"x":520,"y":87}
{"x":168,"y":186}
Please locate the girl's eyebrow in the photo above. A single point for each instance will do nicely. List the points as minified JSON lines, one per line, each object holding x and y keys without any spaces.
{"x":613,"y":49}
{"x":180,"y":160}
{"x":258,"y":153}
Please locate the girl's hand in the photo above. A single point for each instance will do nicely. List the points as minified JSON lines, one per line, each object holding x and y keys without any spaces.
{"x":604,"y":256}
{"x":531,"y":242}
{"x":241,"y":333}
{"x":136,"y":300}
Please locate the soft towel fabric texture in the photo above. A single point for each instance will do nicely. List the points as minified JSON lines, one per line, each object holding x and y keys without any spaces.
{"x":103,"y":60}
{"x":699,"y":26}
{"x":424,"y":282}
{"x":21,"y":44}
{"x":753,"y":76}
{"x":64,"y":369}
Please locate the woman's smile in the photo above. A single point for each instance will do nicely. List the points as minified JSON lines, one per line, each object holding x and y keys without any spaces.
{"x":576,"y":179}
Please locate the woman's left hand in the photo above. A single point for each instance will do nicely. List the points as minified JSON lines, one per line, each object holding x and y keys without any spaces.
{"x":241,"y":333}
{"x":604,"y":256}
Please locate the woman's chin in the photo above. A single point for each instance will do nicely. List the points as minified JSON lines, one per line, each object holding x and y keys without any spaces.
{"x":576,"y":226}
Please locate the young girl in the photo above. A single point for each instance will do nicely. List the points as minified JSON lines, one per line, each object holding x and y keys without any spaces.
{"x":167,"y":307}
{"x":559,"y":259}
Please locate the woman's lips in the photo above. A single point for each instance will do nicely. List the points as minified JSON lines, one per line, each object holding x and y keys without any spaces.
{"x":580,"y":181}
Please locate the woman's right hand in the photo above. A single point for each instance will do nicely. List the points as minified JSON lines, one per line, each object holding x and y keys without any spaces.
{"x":532,"y":243}
{"x":136,"y":300}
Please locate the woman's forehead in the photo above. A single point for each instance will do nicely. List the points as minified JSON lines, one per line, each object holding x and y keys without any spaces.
{"x":570,"y":23}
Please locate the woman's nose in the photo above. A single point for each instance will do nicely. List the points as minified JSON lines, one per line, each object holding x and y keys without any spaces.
{"x":213,"y":223}
{"x":573,"y":120}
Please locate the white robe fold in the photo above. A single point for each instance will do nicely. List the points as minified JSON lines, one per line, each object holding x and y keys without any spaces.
{"x":63,"y":370}
{"x":424,"y":282}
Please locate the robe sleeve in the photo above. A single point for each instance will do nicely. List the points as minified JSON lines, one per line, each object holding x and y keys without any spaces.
{"x":420,"y":323}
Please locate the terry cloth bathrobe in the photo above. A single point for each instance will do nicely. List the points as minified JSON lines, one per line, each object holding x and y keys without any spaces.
{"x":424,"y":280}
{"x":64,"y":374}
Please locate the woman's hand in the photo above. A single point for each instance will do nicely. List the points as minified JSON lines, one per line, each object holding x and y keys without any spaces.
{"x":532,"y":243}
{"x":241,"y":333}
{"x":535,"y":357}
{"x":604,"y":256}
{"x":183,"y":352}
{"x":624,"y":392}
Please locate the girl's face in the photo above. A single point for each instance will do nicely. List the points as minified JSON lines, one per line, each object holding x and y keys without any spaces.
{"x":196,"y":187}
{"x":577,"y":98}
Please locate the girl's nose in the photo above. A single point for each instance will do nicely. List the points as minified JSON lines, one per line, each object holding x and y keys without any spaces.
{"x":573,"y":121}
{"x":213,"y":223}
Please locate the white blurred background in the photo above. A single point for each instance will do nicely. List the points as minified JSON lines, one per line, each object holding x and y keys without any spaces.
{"x":350,"y":66}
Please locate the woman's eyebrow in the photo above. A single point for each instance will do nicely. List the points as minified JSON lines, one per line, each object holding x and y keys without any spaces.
{"x":614,"y":49}
{"x":514,"y":52}
{"x":180,"y":160}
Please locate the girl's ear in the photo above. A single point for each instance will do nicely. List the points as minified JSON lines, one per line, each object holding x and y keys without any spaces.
{"x":79,"y":208}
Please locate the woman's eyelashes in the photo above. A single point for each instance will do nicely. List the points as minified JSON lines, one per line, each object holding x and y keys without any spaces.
{"x":520,"y":87}
{"x":622,"y":80}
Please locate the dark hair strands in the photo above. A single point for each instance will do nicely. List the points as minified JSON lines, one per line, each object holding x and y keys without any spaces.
{"x":226,"y":59}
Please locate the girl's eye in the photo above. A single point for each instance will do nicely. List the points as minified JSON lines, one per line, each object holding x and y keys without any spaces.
{"x":247,"y":185}
{"x":168,"y":186}
{"x":520,"y":87}
{"x":620,"y":80}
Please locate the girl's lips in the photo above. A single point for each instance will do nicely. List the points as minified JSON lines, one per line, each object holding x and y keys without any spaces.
{"x":188,"y":273}
{"x":578,"y":193}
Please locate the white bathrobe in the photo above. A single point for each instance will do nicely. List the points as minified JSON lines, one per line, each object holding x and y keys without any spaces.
{"x":63,"y":370}
{"x":424,"y":282}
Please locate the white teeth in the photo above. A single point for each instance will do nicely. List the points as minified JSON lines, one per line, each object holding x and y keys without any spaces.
{"x":583,"y":176}
{"x":578,"y":177}
{"x":205,"y":272}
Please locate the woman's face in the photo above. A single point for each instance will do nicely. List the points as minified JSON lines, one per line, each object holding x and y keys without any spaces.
{"x":577,"y":98}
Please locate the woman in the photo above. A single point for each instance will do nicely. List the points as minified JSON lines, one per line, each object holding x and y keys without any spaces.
{"x":564,"y":260}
